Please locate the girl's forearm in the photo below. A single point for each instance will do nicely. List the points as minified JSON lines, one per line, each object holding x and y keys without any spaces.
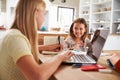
{"x":43,"y":47}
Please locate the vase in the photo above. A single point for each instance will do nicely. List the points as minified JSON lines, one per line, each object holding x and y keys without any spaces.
{"x":118,"y":28}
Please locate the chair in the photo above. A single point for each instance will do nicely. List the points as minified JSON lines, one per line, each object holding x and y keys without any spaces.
{"x":53,"y":40}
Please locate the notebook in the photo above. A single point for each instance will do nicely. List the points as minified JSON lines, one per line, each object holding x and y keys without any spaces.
{"x":94,"y":51}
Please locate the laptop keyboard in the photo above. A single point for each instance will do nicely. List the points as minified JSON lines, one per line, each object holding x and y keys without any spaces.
{"x":81,"y":58}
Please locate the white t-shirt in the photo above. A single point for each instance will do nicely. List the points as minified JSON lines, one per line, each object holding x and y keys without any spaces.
{"x":69,"y":42}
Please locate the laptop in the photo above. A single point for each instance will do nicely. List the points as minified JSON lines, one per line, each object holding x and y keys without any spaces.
{"x":94,"y":50}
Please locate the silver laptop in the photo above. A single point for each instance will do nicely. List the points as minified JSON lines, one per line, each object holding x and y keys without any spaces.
{"x":94,"y":50}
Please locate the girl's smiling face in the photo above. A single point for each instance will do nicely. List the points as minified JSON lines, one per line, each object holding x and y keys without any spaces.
{"x":78,"y":30}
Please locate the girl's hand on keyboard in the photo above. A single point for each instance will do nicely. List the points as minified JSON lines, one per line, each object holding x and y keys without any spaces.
{"x":66,"y":54}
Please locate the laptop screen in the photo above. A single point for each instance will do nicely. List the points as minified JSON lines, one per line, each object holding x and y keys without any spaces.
{"x":97,"y":43}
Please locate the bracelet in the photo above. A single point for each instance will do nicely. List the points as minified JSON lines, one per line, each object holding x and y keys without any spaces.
{"x":110,"y":64}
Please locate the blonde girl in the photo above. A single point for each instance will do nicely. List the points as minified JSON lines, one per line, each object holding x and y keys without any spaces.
{"x":19,"y":47}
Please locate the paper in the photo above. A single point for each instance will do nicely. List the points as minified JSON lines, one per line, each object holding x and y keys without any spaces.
{"x":78,"y":52}
{"x":49,"y":52}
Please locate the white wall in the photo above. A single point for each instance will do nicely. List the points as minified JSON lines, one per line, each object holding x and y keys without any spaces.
{"x":53,"y":18}
{"x":52,"y":10}
{"x":68,"y":3}
{"x":112,"y":43}
{"x":11,"y":4}
{"x":2,"y":12}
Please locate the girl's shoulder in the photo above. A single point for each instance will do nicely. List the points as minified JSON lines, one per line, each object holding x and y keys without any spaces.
{"x":69,"y":38}
{"x":14,"y":34}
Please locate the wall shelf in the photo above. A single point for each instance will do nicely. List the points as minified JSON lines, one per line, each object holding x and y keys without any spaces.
{"x":104,"y":13}
{"x":86,"y":5}
{"x":101,"y":22}
{"x":116,"y":22}
{"x":116,"y":10}
{"x":101,"y":2}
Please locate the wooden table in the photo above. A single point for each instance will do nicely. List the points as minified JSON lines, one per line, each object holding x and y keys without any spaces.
{"x":66,"y":72}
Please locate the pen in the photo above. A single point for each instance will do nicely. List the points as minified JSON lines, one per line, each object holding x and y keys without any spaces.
{"x":77,"y":65}
{"x":110,"y":63}
{"x":59,"y":41}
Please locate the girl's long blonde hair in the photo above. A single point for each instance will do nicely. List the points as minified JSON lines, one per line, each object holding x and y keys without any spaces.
{"x":26,"y":23}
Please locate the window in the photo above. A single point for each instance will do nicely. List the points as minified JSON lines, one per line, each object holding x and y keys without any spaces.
{"x":65,"y":16}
